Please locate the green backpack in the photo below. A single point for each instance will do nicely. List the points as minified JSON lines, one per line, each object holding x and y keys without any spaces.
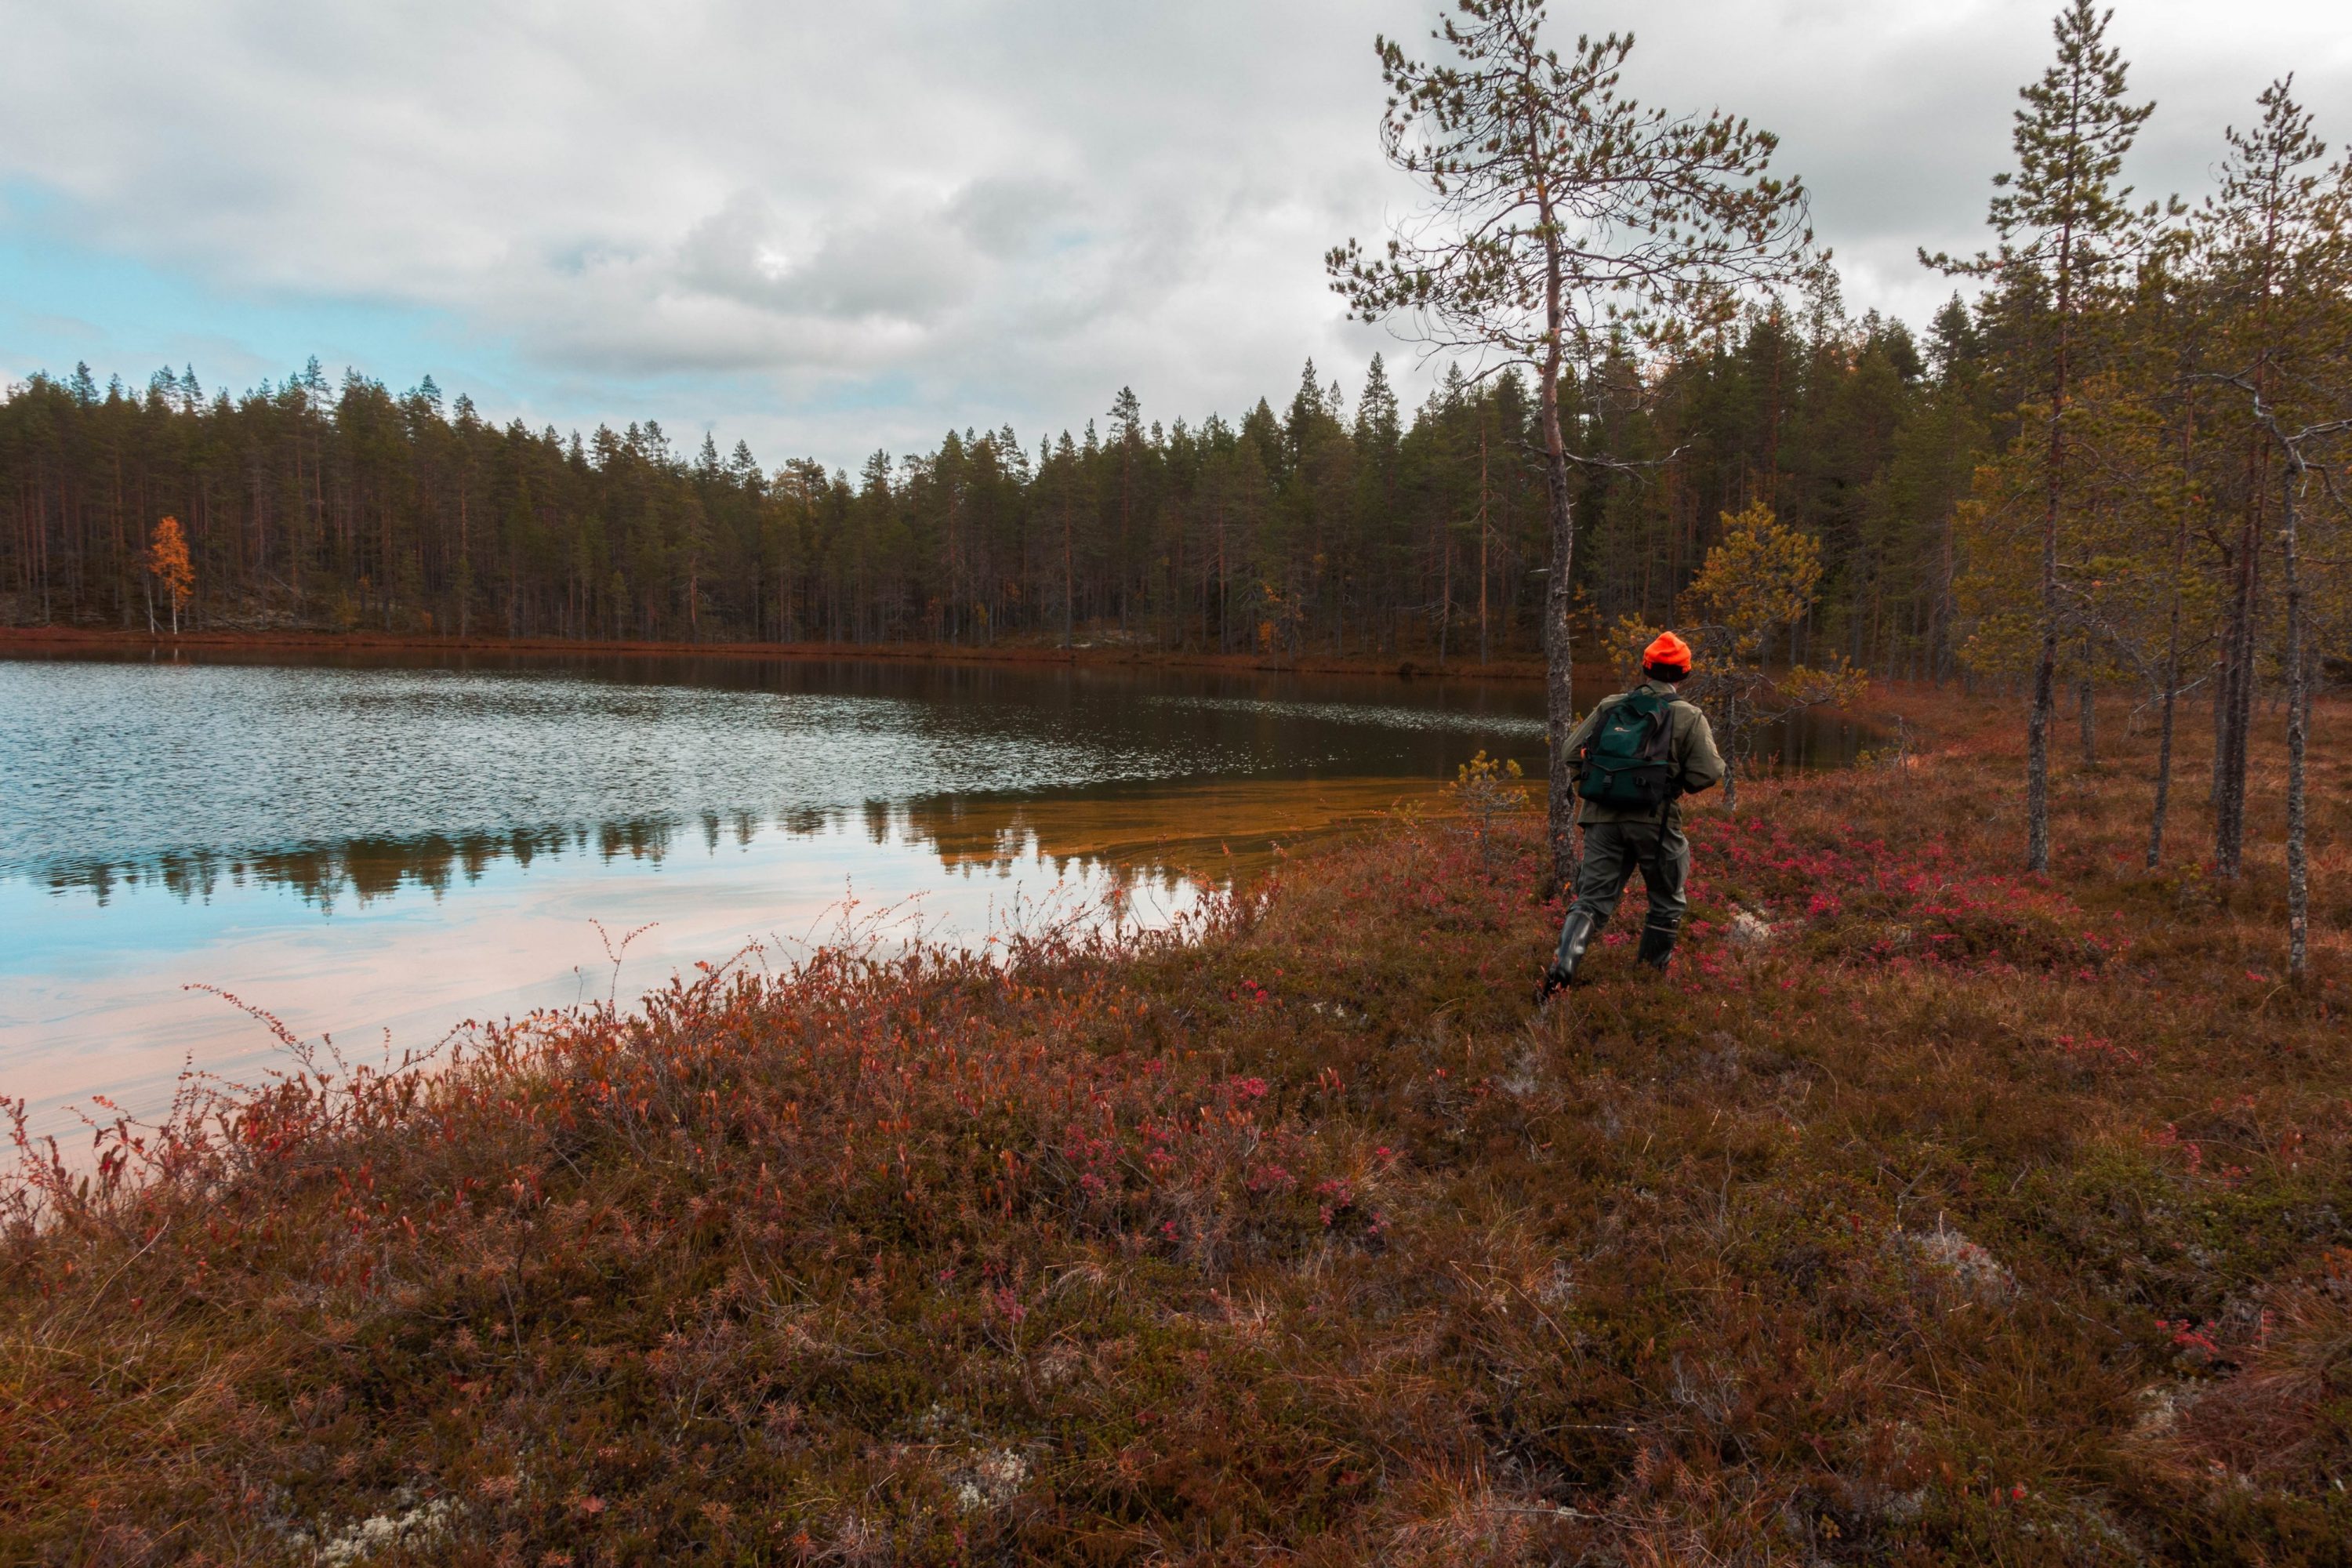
{"x":1625,"y":764}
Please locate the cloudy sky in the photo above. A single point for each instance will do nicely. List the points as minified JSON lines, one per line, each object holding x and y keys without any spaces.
{"x":829,"y":227}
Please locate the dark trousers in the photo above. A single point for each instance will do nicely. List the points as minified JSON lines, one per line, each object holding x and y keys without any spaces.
{"x":1613,"y":851}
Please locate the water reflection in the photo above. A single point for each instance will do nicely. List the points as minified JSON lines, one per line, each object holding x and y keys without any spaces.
{"x":344,"y":773}
{"x":95,"y":999}
{"x":1208,"y":831}
{"x":359,"y":869}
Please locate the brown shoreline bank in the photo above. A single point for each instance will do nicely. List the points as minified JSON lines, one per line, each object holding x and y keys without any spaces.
{"x":16,"y":638}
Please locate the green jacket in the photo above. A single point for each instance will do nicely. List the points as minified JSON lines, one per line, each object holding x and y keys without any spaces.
{"x":1690,"y":747}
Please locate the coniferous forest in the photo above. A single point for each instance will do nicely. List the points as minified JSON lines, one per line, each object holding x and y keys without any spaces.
{"x":1333,"y":522}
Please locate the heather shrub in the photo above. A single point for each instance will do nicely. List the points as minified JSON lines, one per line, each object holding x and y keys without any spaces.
{"x":1293,"y":1232}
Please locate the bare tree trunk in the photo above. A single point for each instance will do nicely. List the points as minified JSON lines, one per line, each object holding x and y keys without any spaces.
{"x":1560,"y":691}
{"x":2164,"y":764}
{"x":2245,"y":615}
{"x":2037,"y":753}
{"x":2045,"y":664}
{"x":2298,"y":728}
{"x":2222,"y":679}
{"x":1559,"y":676}
{"x":1559,"y":670}
{"x":1224,"y":594}
{"x":1444,"y":593}
{"x":2171,"y":683}
{"x":2085,"y":695}
{"x":1946,"y":575}
{"x":1483,"y":655}
{"x":2234,"y":716}
{"x":2230,"y":787}
{"x":465,"y":569}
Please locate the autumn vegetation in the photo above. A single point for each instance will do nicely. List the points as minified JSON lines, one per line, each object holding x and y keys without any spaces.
{"x":1926,"y":1213}
{"x":168,"y":568}
{"x":1974,"y":1189}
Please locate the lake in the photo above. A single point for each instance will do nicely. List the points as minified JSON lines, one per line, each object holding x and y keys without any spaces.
{"x":380,"y":847}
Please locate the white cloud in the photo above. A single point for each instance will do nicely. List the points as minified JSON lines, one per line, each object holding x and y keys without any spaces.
{"x":830,"y":227}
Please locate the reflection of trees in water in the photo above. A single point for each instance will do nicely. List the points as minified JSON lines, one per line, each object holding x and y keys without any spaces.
{"x":367,"y":870}
{"x":998,"y":836}
{"x":1208,"y":832}
{"x":364,"y":869}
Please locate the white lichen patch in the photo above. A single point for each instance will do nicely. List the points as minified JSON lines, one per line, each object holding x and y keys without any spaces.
{"x":987,"y":1480}
{"x":416,"y":1525}
{"x":1555,"y":1287}
{"x":2162,"y":1406}
{"x":1525,"y":1075}
{"x":1975,"y":1271}
{"x":1061,"y":1361}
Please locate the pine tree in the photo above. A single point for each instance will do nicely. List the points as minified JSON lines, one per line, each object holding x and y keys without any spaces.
{"x":2275,"y":244}
{"x":2269,"y":257}
{"x":2065,"y":229}
{"x":1563,"y":215}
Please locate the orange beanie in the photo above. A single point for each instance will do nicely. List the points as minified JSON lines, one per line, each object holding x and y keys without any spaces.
{"x":1669,"y":652}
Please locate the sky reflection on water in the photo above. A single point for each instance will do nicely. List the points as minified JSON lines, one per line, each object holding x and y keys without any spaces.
{"x":97,"y":997}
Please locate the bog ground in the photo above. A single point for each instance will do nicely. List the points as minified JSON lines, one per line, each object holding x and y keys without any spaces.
{"x":1927,"y":1212}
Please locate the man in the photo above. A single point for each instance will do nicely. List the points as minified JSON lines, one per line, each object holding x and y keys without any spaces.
{"x":1631,"y":760}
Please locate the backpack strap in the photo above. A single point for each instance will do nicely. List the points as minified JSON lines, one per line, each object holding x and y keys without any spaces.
{"x":1600,"y":719}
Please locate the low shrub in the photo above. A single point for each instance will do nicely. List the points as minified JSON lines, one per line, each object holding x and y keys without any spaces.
{"x":1933,"y":1214}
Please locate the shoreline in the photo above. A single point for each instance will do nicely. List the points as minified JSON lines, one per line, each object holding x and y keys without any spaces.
{"x":61,"y":638}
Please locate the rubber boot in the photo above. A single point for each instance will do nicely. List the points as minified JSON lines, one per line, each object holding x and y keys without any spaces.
{"x":1657,"y":943}
{"x":1575,"y":933}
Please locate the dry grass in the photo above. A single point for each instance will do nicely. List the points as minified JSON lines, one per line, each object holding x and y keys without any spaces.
{"x":1967,"y":1218}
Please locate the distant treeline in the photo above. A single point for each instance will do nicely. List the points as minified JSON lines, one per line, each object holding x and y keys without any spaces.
{"x":1326,"y":525}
